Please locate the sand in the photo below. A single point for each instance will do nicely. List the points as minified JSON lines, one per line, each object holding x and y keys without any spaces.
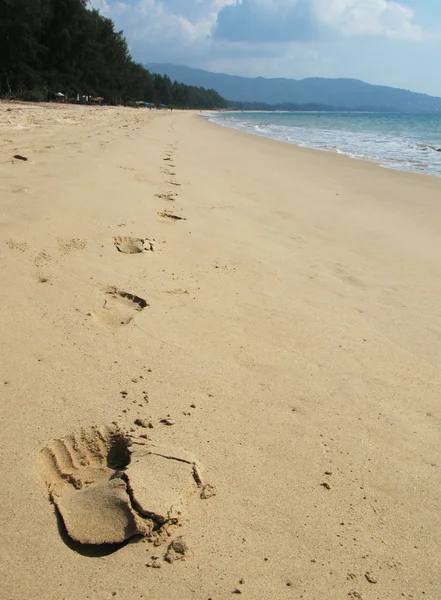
{"x":271,"y":311}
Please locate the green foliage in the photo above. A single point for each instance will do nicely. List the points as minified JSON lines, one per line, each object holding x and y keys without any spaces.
{"x":35,"y":95}
{"x":50,"y":46}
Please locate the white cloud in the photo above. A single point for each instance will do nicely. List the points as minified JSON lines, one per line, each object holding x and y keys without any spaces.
{"x":184,"y":31}
{"x":289,"y":20}
{"x":162,"y":21}
{"x":189,"y":21}
{"x":370,"y":17}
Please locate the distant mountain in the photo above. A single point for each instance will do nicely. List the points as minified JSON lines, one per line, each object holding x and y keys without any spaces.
{"x":349,"y":93}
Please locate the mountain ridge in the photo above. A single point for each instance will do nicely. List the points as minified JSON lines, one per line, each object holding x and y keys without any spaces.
{"x":350,"y":93}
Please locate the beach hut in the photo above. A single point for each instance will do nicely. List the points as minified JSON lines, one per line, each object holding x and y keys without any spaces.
{"x":142,"y":103}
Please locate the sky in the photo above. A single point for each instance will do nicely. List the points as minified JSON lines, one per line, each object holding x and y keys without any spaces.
{"x":386,"y":42}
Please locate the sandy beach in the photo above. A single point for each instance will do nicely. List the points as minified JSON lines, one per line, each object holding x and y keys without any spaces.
{"x":261,"y":322}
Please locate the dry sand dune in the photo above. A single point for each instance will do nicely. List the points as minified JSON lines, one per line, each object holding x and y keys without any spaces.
{"x":221,"y":351}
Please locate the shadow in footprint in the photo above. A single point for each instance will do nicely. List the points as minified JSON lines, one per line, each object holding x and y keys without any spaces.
{"x":167,"y":215}
{"x":88,"y":550}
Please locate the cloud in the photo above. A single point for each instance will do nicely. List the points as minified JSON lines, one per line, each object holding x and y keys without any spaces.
{"x":271,"y":37}
{"x":306,"y":20}
{"x":194,"y":10}
{"x":164,"y":30}
{"x":267,"y":21}
{"x":161,"y":29}
{"x":190,"y":25}
{"x":370,"y":17}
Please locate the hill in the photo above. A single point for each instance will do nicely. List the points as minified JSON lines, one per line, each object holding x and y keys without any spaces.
{"x":349,"y":93}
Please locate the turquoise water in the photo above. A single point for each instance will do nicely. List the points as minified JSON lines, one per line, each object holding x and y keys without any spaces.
{"x":399,"y":141}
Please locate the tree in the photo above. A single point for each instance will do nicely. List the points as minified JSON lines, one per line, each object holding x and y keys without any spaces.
{"x":48,"y":46}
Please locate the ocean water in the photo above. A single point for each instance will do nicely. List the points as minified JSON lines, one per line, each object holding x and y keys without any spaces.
{"x":398,"y":141}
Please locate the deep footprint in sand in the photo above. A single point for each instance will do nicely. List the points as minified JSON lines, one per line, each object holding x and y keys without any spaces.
{"x":119,"y":307}
{"x":129,"y":245}
{"x":108,"y":487}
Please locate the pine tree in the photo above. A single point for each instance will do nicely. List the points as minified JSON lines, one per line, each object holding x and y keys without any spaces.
{"x":50,"y":46}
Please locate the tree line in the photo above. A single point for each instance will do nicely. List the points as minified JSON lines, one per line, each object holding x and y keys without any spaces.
{"x":53,"y":46}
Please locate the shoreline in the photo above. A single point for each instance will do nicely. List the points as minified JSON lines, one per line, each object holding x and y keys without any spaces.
{"x":285,"y":332}
{"x":378,"y":162}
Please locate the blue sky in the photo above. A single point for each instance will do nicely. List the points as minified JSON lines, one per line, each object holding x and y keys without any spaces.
{"x":380,"y":41}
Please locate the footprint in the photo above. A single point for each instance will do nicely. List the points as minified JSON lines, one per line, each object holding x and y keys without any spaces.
{"x":129,"y":245}
{"x":42,"y":258}
{"x":19,"y":246}
{"x":119,"y":307}
{"x":167,"y":215}
{"x":67,"y":246}
{"x":176,"y":291}
{"x":353,"y":281}
{"x":14,"y":189}
{"x":168,"y":197}
{"x":348,"y":278}
{"x":143,"y":178}
{"x":108,"y":487}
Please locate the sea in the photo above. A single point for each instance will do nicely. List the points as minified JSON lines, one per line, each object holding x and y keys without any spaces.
{"x":408,"y":142}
